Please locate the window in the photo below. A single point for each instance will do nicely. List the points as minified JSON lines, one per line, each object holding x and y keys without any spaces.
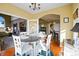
{"x":2,"y":22}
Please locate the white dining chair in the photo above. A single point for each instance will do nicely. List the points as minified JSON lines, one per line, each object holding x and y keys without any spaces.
{"x":20,"y":49}
{"x":24,"y":35}
{"x":46,"y":46}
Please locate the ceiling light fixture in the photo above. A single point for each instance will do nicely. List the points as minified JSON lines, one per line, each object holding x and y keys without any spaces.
{"x":34,"y":6}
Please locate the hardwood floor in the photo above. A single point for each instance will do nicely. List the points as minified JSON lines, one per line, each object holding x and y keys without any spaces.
{"x":54,"y":46}
{"x":8,"y":52}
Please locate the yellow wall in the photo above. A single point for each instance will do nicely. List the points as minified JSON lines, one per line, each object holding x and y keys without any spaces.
{"x":8,"y":8}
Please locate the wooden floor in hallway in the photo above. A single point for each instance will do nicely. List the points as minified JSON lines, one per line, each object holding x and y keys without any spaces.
{"x":55,"y":48}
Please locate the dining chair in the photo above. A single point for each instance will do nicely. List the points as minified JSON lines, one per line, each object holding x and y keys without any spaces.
{"x":21,"y":49}
{"x":24,"y":35}
{"x":46,"y":46}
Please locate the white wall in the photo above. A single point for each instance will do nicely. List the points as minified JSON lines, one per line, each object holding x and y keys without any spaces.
{"x":48,"y":28}
{"x":57,"y":27}
{"x":13,"y":18}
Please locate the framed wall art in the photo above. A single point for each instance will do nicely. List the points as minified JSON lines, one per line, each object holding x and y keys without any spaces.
{"x":66,"y":19}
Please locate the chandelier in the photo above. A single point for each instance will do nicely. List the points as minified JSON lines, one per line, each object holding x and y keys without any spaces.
{"x":34,"y":6}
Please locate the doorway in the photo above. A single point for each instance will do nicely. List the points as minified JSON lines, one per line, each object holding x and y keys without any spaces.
{"x":48,"y":22}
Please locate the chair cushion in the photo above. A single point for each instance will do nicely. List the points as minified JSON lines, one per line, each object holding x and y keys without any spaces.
{"x":50,"y":54}
{"x":44,"y":53}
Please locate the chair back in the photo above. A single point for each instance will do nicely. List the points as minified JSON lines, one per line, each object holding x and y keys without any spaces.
{"x":17,"y":44}
{"x":48,"y":41}
{"x":24,"y":35}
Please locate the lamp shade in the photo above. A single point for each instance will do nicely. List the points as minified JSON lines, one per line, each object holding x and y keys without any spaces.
{"x":75,"y":28}
{"x":42,"y":25}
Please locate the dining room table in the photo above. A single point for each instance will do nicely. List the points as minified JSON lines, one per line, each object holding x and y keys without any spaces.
{"x":32,"y":39}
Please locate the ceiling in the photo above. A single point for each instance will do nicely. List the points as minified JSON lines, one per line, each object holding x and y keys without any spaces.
{"x":43,"y":6}
{"x":51,"y":17}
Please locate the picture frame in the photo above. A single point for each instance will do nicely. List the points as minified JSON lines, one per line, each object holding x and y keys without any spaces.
{"x":66,"y":19}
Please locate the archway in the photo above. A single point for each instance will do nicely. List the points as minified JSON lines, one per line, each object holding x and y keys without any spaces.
{"x":45,"y":23}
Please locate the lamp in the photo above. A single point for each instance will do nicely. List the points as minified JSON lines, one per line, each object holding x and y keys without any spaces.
{"x":42,"y":25}
{"x":75,"y":28}
{"x":34,"y":6}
